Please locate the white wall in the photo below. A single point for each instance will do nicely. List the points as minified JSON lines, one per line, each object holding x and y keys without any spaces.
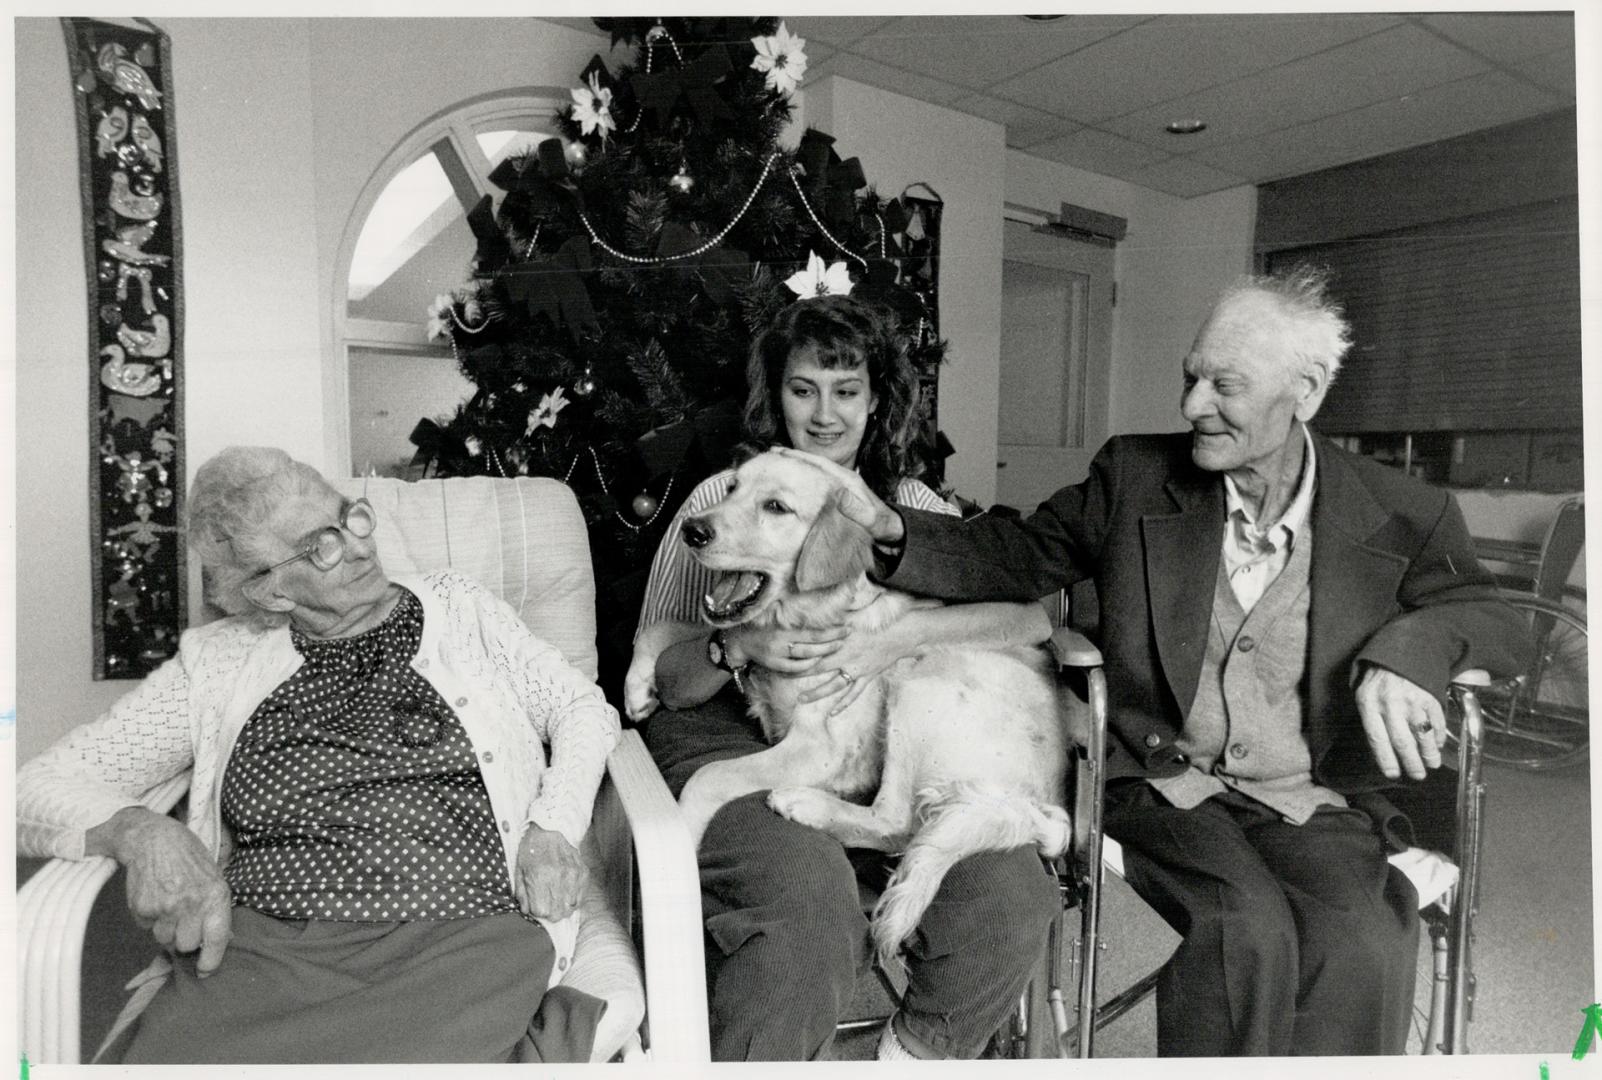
{"x":373,"y":82}
{"x":280,"y":124}
{"x":251,"y":363}
{"x":1176,"y":257}
{"x":896,"y":139}
{"x":1179,"y":253}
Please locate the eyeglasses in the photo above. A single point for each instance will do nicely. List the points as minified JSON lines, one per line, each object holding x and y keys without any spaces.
{"x":327,"y":548}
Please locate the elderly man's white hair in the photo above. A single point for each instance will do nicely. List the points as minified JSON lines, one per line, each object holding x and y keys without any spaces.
{"x":1321,"y":333}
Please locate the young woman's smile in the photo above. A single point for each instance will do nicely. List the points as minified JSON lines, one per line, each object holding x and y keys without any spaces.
{"x":826,"y":410}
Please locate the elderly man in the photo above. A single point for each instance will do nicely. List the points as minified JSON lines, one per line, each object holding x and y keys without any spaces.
{"x":1279,"y":619}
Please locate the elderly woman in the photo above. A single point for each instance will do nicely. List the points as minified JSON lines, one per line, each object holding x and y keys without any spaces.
{"x":380,"y":862}
{"x":788,"y":936}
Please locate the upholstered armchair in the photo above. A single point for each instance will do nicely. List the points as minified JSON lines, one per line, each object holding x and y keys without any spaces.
{"x":525,"y":540}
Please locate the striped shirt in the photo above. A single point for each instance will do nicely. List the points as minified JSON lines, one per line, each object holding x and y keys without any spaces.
{"x":678,"y":581}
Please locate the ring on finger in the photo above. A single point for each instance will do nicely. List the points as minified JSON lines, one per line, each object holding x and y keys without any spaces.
{"x":1423,"y":727}
{"x":848,"y":677}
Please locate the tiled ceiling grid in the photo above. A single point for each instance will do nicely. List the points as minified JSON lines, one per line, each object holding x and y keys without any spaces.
{"x":1281,"y":94}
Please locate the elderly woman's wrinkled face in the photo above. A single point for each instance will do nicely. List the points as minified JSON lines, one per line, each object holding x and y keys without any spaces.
{"x":327,"y":603}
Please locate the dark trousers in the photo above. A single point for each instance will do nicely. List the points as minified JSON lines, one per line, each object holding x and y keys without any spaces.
{"x":1298,"y":939}
{"x":787,"y":936}
{"x":317,"y":991}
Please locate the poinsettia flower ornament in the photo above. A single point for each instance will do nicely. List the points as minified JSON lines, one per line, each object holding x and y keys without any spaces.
{"x":439,"y":315}
{"x":819,"y":280}
{"x":544,"y":414}
{"x":592,"y":107}
{"x":781,"y":59}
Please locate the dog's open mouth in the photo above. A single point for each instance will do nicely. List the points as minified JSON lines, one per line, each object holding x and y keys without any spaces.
{"x":732,"y":594}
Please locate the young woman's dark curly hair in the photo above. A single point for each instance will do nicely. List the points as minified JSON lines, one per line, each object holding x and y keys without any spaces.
{"x":843,"y":333}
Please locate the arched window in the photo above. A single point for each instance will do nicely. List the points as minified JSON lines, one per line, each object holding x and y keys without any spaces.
{"x":407,"y":241}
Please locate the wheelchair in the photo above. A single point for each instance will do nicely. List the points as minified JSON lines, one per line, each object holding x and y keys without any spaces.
{"x":1541,"y":719}
{"x":1448,"y":889}
{"x":1058,"y":1016}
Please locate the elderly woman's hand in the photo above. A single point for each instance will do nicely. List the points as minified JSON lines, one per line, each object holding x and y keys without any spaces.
{"x":174,"y":887}
{"x":551,"y":876}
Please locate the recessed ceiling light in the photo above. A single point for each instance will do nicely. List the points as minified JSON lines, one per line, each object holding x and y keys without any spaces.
{"x":1044,"y":18}
{"x":1185,"y":127}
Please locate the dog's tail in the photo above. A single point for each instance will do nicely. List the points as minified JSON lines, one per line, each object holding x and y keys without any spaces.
{"x":958,"y":821}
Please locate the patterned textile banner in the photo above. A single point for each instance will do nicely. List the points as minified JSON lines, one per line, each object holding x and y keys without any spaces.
{"x":121,"y":77}
{"x":920,"y":241}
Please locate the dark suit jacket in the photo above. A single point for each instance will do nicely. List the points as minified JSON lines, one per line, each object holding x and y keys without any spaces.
{"x":1395,"y":582}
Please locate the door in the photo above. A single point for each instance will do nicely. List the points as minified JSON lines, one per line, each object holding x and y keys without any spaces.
{"x":1056,"y":357}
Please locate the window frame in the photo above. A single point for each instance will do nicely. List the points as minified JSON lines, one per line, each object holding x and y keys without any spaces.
{"x":452,"y":136}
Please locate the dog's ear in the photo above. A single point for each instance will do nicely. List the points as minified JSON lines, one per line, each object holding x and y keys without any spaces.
{"x":836,"y":549}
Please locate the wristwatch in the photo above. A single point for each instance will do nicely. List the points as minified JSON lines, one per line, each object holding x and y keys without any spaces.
{"x":717,"y":652}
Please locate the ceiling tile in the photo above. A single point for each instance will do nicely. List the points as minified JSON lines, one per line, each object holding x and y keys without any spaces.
{"x":1437,"y":113}
{"x":982,"y":49}
{"x":837,"y":30}
{"x":1025,"y":126}
{"x":1553,"y":70}
{"x":1175,"y":55}
{"x":1098,"y":151}
{"x":1506,"y":36}
{"x":1398,"y":61}
{"x":859,"y":68}
{"x":1184,"y":177}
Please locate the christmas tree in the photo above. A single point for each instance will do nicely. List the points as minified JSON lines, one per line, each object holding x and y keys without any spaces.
{"x":616,"y":287}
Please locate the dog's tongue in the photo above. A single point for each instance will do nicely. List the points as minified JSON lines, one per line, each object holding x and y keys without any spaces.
{"x":730,"y":589}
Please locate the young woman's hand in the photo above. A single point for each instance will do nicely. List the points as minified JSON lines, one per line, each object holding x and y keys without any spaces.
{"x":793,"y":652}
{"x":855,"y":664}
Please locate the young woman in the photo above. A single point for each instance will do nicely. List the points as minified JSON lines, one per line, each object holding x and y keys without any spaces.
{"x":784,"y":918}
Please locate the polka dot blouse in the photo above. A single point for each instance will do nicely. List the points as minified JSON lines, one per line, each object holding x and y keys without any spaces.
{"x":353,"y":792}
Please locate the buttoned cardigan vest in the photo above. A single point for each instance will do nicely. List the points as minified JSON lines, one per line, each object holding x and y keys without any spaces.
{"x":1245,"y":728}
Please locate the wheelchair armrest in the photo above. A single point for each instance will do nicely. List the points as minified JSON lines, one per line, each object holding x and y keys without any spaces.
{"x":1070,"y":648}
{"x":52,"y":917}
{"x":670,"y":906}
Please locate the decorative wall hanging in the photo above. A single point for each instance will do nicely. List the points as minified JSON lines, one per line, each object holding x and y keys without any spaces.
{"x":121,"y":77}
{"x":920,"y":273}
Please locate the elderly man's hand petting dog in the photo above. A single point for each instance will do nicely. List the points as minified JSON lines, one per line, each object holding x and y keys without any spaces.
{"x":856,"y":500}
{"x":956,"y":750}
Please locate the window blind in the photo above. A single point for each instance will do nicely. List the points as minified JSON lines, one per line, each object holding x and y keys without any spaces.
{"x":1464,"y":325}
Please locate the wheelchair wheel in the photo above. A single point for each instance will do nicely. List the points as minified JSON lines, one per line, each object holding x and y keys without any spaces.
{"x":1540,"y":720}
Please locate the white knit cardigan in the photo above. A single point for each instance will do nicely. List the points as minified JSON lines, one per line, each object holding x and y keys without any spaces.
{"x":513,"y":693}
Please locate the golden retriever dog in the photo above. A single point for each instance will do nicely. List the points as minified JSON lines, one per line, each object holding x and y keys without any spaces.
{"x":947,"y":754}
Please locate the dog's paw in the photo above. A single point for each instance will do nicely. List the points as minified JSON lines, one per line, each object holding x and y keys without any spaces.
{"x":1054,"y":831}
{"x":640,"y":701}
{"x":802,"y":805}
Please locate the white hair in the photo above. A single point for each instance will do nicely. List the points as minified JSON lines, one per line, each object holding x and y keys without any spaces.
{"x":230,"y":507}
{"x":1320,"y":333}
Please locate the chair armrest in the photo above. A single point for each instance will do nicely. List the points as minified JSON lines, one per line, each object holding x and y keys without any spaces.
{"x":1070,"y":648}
{"x":670,"y":907}
{"x":52,"y":916}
